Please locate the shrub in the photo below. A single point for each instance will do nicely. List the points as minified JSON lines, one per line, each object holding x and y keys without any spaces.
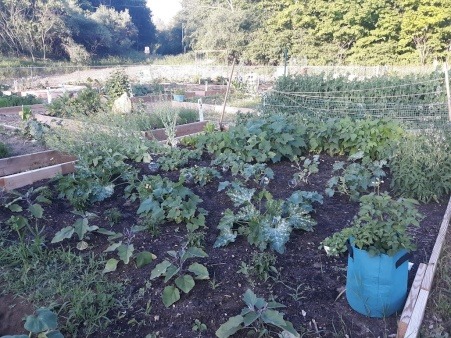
{"x":4,"y":151}
{"x":348,"y":136}
{"x":14,"y":100}
{"x":117,"y":84}
{"x":421,"y":167}
{"x":87,"y":102}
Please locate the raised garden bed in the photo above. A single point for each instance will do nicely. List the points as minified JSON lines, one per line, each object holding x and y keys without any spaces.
{"x":307,"y":281}
{"x":181,"y":130}
{"x":23,"y":170}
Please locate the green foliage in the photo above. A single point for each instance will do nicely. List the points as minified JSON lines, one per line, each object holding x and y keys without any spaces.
{"x":162,"y":200}
{"x":380,"y":227}
{"x":43,"y":324}
{"x":356,"y":177}
{"x":4,"y":150}
{"x":263,"y":220}
{"x":261,"y":265}
{"x":175,"y":158}
{"x":75,"y":284}
{"x":259,"y":139}
{"x":87,"y":102}
{"x":174,"y":267}
{"x":345,"y":136}
{"x":199,"y":175}
{"x":93,"y":181}
{"x":421,"y":166}
{"x":307,"y":168}
{"x":258,"y":316}
{"x":117,"y":84}
{"x":81,"y":227}
{"x":14,"y":100}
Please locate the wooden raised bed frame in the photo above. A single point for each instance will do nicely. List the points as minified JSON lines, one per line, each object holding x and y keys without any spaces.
{"x":20,"y":171}
{"x":180,"y":131}
{"x":413,"y":313}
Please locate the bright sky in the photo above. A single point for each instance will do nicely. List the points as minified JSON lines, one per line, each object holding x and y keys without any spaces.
{"x":164,"y":10}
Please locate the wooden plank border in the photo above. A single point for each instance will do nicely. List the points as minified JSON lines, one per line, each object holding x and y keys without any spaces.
{"x":180,"y":131}
{"x":20,"y":180}
{"x":17,"y":164}
{"x":413,"y":313}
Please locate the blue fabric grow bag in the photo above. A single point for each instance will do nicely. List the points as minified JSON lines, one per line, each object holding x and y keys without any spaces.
{"x":376,"y":286}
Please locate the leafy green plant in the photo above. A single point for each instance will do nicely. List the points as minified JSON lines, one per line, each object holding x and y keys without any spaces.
{"x":81,"y":228}
{"x":421,"y":166}
{"x":163,"y":200}
{"x":125,"y":250}
{"x":357,"y":177}
{"x":41,"y":324}
{"x":87,"y":102}
{"x":174,"y":267}
{"x":112,"y":215}
{"x":263,"y":220}
{"x":261,"y":265}
{"x":380,"y":227}
{"x":4,"y":150}
{"x":258,"y":316}
{"x":15,"y":100}
{"x":175,"y":158}
{"x":307,"y":168}
{"x":344,"y":136}
{"x":259,"y":139}
{"x":116,"y":84}
{"x":199,"y":327}
{"x":199,"y":175}
{"x":168,"y":117}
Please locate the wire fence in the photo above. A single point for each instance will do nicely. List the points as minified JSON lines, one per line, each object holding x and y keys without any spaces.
{"x":414,"y":109}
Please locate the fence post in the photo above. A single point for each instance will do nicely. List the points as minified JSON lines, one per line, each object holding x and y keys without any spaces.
{"x":448,"y":92}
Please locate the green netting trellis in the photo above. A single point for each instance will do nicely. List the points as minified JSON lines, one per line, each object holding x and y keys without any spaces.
{"x":417,"y":104}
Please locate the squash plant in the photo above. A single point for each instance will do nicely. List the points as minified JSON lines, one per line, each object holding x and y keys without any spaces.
{"x":265,"y":221}
{"x":174,"y":267}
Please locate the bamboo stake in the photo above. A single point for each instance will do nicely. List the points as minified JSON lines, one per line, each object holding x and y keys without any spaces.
{"x":448,"y":92}
{"x":221,"y":126}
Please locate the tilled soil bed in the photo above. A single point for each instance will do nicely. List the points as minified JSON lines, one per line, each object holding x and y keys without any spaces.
{"x":308,"y":282}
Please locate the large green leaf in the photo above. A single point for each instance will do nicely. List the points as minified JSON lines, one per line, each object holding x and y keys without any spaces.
{"x":44,"y":320}
{"x":199,"y":270}
{"x":111,"y":265}
{"x":250,"y":298}
{"x":185,"y":283}
{"x":170,"y":295}
{"x":230,"y":327}
{"x":64,"y":233}
{"x":125,"y":252}
{"x":171,"y":272}
{"x":15,"y":207}
{"x":36,"y":210}
{"x":113,"y":247}
{"x":144,"y":258}
{"x":193,"y":252}
{"x":160,"y":269}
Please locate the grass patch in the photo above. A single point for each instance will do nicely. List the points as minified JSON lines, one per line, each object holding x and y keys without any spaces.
{"x":72,"y":285}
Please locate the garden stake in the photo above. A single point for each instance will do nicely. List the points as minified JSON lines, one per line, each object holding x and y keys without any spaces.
{"x":221,"y":126}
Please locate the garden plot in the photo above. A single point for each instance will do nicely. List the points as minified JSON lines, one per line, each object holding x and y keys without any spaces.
{"x":169,"y":247}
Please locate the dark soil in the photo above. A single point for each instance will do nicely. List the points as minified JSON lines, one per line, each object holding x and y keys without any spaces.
{"x":309,"y":282}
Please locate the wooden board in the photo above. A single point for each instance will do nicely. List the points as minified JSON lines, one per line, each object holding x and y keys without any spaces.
{"x":417,"y":314}
{"x":17,"y":164}
{"x":413,"y":329}
{"x":411,"y":301}
{"x":19,"y":180}
{"x":181,"y":130}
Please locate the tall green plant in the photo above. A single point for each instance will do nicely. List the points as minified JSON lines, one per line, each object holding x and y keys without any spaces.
{"x":421,"y":166}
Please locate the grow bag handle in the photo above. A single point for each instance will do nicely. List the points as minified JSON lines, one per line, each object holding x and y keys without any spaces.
{"x":403,"y":259}
{"x":350,"y":249}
